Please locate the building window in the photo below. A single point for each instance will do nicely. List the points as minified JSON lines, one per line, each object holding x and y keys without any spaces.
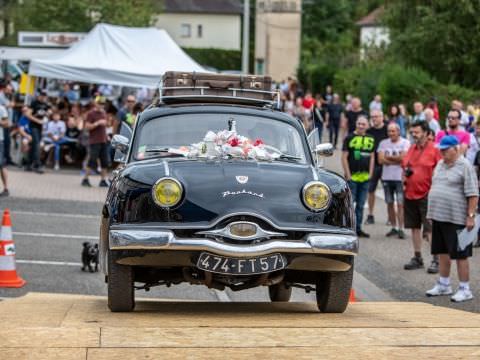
{"x":200,"y":31}
{"x":185,"y":31}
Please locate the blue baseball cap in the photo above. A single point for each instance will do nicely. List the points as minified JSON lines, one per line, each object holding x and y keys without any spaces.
{"x":447,"y":142}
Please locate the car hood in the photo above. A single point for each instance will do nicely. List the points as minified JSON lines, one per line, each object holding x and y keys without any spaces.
{"x":215,"y":189}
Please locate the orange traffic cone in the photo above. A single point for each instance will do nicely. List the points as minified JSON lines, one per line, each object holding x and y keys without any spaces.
{"x":8,"y":272}
{"x":352,"y":298}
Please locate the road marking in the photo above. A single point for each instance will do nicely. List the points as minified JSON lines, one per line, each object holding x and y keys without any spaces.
{"x":77,"y":216}
{"x":41,"y":262}
{"x":222,"y":295}
{"x":64,"y":236}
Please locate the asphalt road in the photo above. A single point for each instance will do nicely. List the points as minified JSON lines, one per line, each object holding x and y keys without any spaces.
{"x":48,"y":237}
{"x":49,"y":234}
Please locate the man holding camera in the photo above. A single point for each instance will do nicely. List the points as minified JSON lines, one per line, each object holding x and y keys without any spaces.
{"x":418,"y":165}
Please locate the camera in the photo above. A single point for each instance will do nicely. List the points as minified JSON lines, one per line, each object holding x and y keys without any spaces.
{"x":408,"y":171}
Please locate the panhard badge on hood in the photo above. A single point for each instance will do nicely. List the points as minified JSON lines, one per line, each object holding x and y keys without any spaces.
{"x":242,"y":179}
{"x":241,"y":192}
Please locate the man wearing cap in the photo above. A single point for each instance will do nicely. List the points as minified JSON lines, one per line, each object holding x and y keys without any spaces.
{"x":452,"y":204}
{"x":96,"y":125}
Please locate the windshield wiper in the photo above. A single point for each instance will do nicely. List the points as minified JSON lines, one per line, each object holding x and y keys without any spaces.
{"x":161,"y":152}
{"x":288,"y":157}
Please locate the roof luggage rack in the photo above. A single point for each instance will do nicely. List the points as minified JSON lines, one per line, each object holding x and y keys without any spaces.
{"x":178,"y":87}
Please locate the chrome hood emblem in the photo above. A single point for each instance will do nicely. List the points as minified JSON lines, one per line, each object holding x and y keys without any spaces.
{"x":226,"y":232}
{"x":241,"y":179}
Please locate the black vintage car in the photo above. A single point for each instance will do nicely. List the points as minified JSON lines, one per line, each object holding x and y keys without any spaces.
{"x":226,"y":194}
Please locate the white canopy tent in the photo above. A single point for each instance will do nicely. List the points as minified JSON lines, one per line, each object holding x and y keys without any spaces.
{"x":117,"y":55}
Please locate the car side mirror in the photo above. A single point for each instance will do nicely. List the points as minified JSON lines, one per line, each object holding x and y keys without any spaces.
{"x":325,"y":150}
{"x":120,"y":143}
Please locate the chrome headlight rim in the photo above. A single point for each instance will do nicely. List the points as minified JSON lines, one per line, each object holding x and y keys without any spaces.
{"x":154,"y":197}
{"x":304,"y":190}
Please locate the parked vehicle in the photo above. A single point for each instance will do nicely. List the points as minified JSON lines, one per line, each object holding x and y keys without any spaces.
{"x":228,"y":193}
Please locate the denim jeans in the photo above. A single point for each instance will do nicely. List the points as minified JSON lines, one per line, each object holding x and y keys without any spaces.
{"x":359,"y":196}
{"x":34,"y":154}
{"x":333,"y":129}
{"x":57,"y":146}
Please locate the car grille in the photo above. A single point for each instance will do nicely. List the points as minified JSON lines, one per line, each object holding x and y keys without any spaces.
{"x":192,"y":233}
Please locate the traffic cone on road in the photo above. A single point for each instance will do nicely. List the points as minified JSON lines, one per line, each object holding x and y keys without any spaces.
{"x":352,"y":297}
{"x":8,"y":272}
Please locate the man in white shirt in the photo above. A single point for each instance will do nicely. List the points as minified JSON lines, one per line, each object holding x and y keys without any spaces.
{"x":376,"y":103}
{"x":419,"y":115}
{"x":390,"y":154}
{"x":432,"y":123}
{"x":56,"y":136}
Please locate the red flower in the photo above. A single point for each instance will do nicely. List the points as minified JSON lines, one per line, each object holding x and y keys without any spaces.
{"x":234,"y":142}
{"x":258,"y":142}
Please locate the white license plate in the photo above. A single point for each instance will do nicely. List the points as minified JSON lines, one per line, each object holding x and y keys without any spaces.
{"x":241,"y":266}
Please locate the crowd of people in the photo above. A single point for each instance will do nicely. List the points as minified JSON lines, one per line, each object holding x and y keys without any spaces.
{"x":429,"y":174}
{"x":72,"y":127}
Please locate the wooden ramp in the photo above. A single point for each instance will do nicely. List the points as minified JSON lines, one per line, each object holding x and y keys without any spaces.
{"x":54,"y":326}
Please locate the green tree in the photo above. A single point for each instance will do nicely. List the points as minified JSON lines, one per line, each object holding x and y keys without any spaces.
{"x":125,"y":12}
{"x":436,"y":35}
{"x":73,"y":15}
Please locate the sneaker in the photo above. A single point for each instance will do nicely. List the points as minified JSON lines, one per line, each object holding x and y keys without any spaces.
{"x":68,"y":159}
{"x":86,"y":183}
{"x":392,"y":232}
{"x":38,"y":170}
{"x":370,"y":220}
{"x":433,"y":268}
{"x":362,"y":234}
{"x":103,"y":183}
{"x":439,"y":290}
{"x":462,"y":295}
{"x":4,"y":193}
{"x":56,"y":167}
{"x":401,"y":234}
{"x":47,"y":148}
{"x":28,"y":168}
{"x":414,"y":263}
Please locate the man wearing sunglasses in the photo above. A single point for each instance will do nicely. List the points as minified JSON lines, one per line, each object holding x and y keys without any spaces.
{"x":453,"y":128}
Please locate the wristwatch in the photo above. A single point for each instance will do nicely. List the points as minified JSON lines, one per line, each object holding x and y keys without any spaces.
{"x":471,"y":215}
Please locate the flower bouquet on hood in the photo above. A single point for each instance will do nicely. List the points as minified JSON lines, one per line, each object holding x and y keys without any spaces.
{"x":227,"y":143}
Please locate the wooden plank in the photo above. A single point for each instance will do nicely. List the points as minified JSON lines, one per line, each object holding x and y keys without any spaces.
{"x":299,"y":353}
{"x":285,"y":337}
{"x":43,"y":353}
{"x":49,"y":337}
{"x":177,"y":314}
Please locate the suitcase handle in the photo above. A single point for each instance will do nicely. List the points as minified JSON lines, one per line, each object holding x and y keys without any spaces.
{"x":219,"y":85}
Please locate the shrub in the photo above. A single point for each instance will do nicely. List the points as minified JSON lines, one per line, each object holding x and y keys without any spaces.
{"x":218,"y":58}
{"x":398,"y":84}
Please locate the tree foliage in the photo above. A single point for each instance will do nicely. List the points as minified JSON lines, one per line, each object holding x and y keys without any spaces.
{"x":436,"y":35}
{"x":76,"y":15}
{"x":329,"y":38}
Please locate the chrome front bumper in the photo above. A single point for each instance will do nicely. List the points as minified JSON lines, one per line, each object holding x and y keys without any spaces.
{"x":315,"y":243}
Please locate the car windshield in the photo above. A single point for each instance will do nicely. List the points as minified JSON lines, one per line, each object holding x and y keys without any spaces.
{"x":177,"y":134}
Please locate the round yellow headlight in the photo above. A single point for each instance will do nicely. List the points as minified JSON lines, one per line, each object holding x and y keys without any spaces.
{"x":167,"y":192}
{"x":316,"y":196}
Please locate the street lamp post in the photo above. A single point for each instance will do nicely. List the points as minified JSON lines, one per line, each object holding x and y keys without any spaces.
{"x":246,"y":35}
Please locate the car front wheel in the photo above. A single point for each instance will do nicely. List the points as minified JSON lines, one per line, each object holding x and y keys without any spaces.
{"x":333,"y":290}
{"x":121,"y":296}
{"x":279,"y":292}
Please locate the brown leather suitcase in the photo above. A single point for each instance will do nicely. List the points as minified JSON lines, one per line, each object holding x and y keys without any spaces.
{"x":222,"y":87}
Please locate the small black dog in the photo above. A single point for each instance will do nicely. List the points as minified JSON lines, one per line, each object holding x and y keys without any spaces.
{"x":90,"y":256}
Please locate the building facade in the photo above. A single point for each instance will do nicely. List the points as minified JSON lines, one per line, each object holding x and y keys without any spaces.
{"x":277,"y":38}
{"x":372,"y":32}
{"x":203,"y":23}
